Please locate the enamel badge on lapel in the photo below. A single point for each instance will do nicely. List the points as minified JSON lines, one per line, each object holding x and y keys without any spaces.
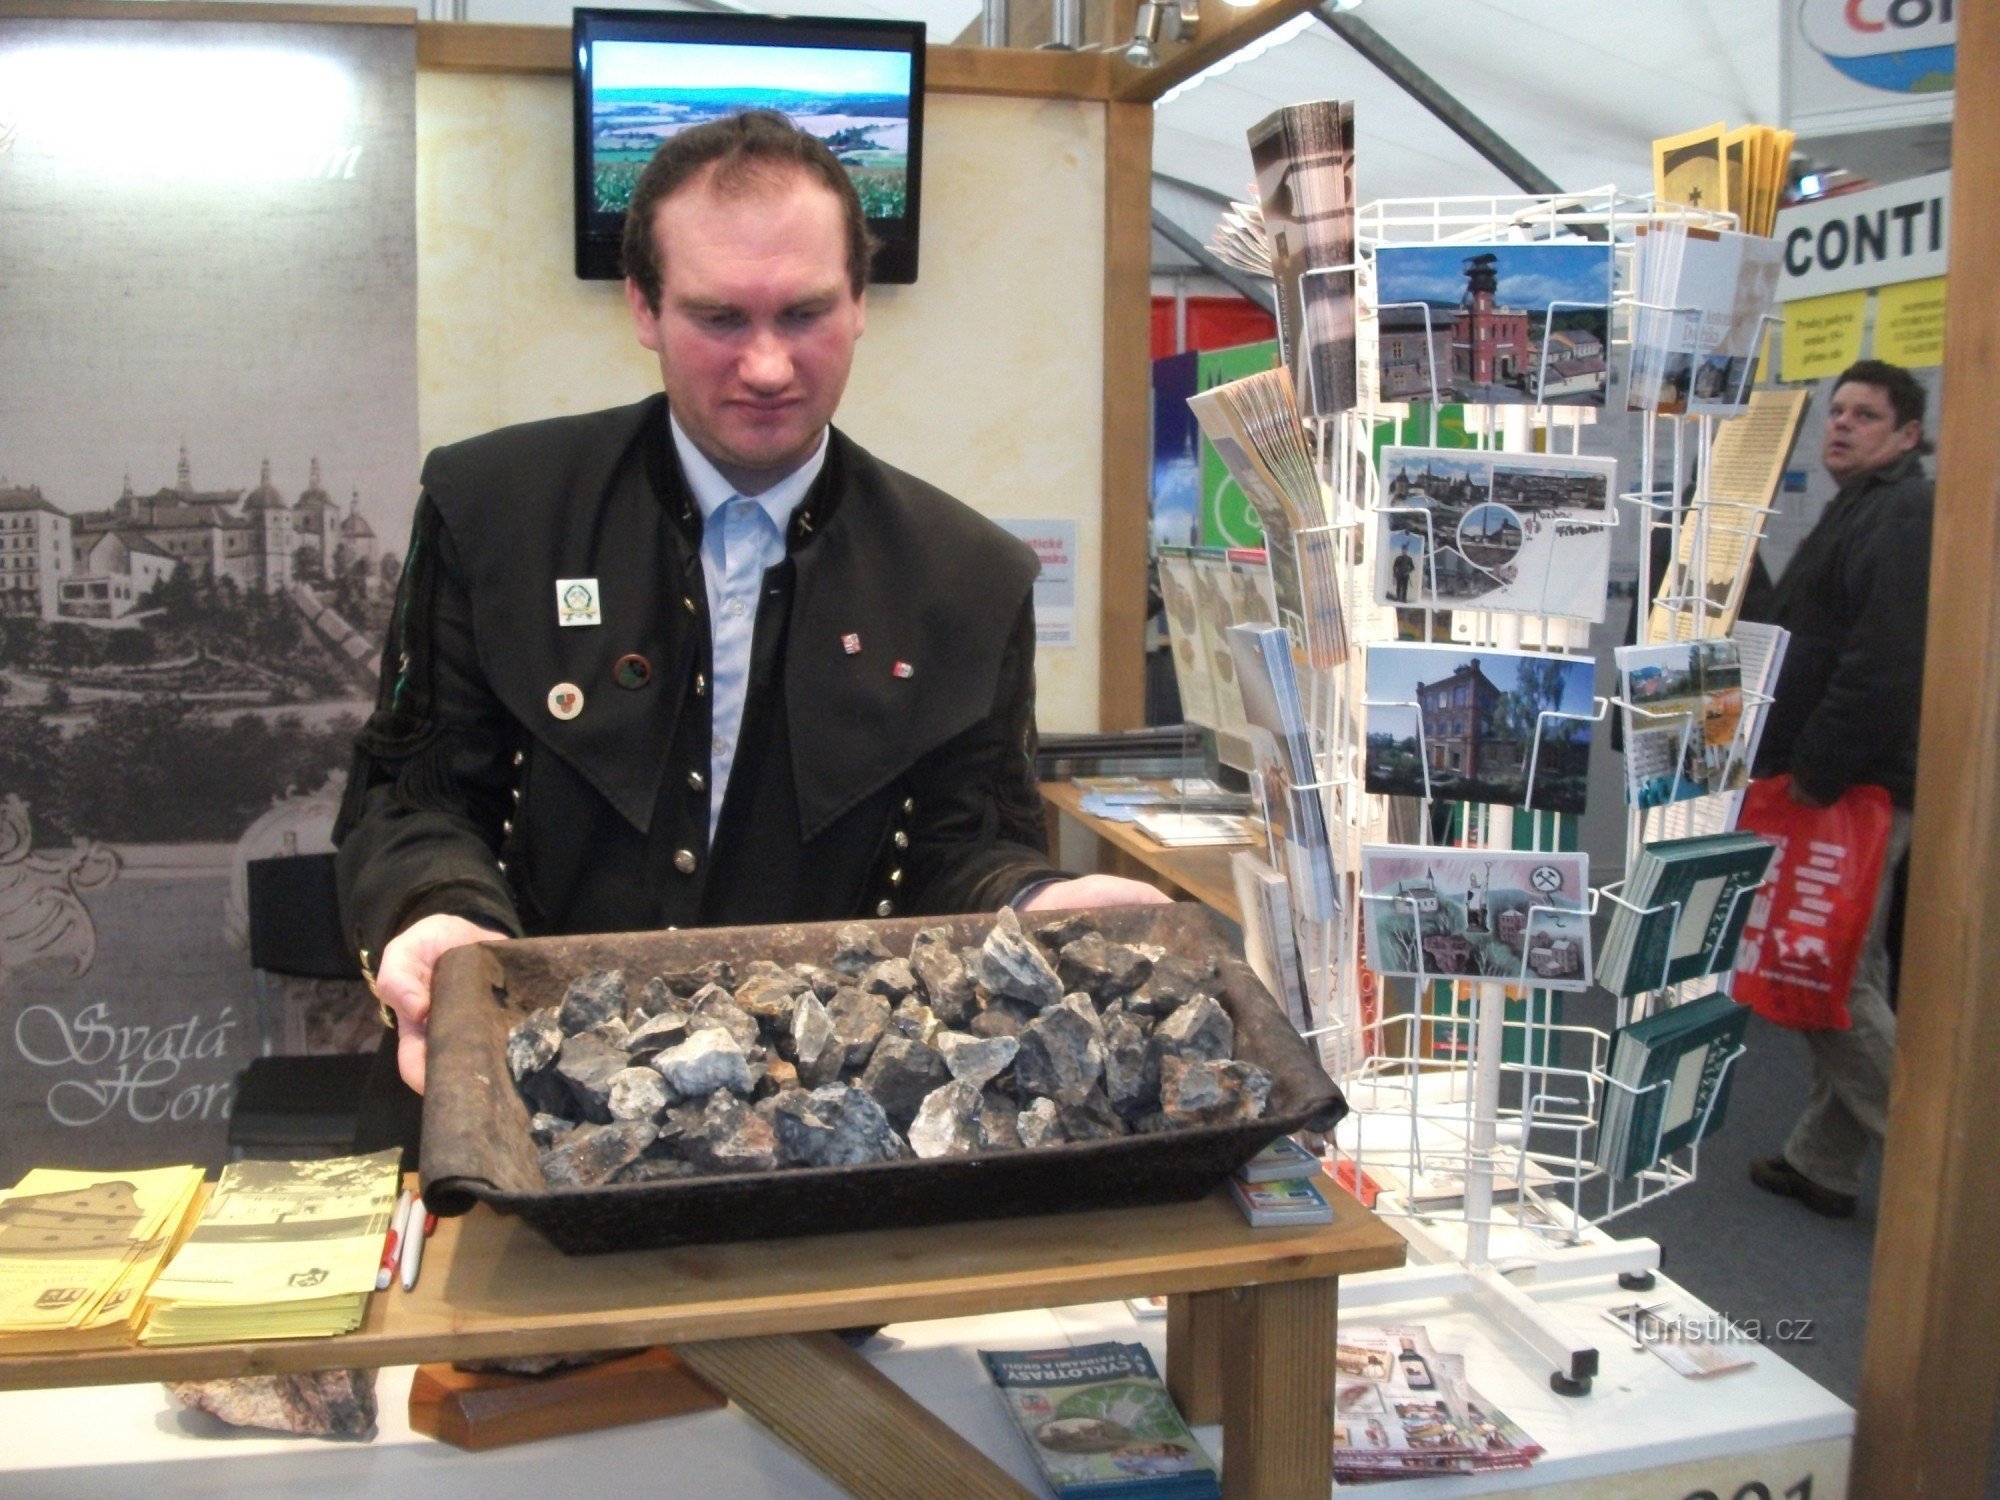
{"x":851,"y":644}
{"x":565,"y":700}
{"x":632,"y":671}
{"x":903,"y":669}
{"x":576,"y":602}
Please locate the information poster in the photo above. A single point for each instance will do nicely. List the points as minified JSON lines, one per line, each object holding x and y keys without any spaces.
{"x":1909,"y":323}
{"x":1823,"y":335}
{"x":1055,"y":586}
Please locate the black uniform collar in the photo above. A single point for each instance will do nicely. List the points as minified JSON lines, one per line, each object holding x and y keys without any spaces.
{"x":663,"y":470}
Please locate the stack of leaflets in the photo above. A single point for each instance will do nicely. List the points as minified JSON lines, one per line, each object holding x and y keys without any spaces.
{"x":1402,"y":1409}
{"x":1684,"y":1343}
{"x":1281,"y":1185}
{"x":1740,"y":171}
{"x":79,"y":1249}
{"x":1270,"y":944}
{"x":1683,"y":706}
{"x":1761,"y":651}
{"x":1100,"y":1423}
{"x":1304,"y":156}
{"x":1193,"y":830}
{"x":1745,"y":467}
{"x":1684,"y":911}
{"x":1239,"y":239}
{"x":284,"y":1249}
{"x":1254,"y":428}
{"x":1282,"y":746}
{"x":1703,"y":295}
{"x":1675,"y":1071}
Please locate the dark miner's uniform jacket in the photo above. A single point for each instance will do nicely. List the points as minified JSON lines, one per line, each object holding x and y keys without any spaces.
{"x":885,"y":763}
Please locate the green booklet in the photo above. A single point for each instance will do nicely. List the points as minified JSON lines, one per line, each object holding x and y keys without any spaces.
{"x":1676,"y":1068}
{"x":1101,"y":1424}
{"x":1688,"y":902}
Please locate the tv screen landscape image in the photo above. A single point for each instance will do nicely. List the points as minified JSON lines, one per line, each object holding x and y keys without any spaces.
{"x":644,"y":76}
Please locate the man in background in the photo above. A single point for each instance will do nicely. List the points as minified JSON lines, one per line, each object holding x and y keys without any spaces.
{"x":1855,"y":599}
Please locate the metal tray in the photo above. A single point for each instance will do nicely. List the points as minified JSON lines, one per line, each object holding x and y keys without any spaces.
{"x":476,"y":1147}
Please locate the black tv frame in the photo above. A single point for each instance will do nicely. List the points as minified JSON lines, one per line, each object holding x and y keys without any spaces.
{"x":598,"y":234}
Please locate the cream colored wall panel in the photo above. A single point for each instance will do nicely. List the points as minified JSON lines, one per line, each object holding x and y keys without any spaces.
{"x":984,"y":378}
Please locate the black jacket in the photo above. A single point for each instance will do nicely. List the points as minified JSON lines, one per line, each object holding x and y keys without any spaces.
{"x":1855,"y":599}
{"x":859,"y":787}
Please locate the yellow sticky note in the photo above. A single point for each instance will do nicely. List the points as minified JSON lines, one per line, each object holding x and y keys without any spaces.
{"x":1823,"y":334}
{"x":1909,"y":323}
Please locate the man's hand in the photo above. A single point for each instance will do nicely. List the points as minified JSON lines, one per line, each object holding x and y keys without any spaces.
{"x":1094,"y":890}
{"x":403,"y":981}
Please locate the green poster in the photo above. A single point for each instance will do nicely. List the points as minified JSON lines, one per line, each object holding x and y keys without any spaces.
{"x":1226,"y":517}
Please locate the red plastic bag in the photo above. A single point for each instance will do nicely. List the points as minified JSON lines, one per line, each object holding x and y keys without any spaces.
{"x":1807,"y":925}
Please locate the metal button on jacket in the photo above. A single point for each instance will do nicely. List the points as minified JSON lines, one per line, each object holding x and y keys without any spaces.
{"x":632,"y":671}
{"x":884,"y":908}
{"x":696,"y":781}
{"x":684,"y":861}
{"x":902,"y":839}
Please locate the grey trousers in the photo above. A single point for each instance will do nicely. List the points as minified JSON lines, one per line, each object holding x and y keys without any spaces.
{"x":1848,"y":1105}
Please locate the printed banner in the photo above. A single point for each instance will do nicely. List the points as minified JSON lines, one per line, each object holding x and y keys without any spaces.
{"x":208,"y":437}
{"x":1823,"y":335}
{"x":1909,"y":323}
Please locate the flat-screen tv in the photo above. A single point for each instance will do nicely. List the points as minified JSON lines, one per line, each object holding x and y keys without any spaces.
{"x":643,"y":75}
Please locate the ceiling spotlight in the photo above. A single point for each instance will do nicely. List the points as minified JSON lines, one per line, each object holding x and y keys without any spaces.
{"x":1177,"y":19}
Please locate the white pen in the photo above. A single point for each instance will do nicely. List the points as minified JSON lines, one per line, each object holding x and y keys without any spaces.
{"x":391,"y":1246}
{"x":413,"y":1249}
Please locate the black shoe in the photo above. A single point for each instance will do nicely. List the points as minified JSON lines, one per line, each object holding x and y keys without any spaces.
{"x":1776,"y":1175}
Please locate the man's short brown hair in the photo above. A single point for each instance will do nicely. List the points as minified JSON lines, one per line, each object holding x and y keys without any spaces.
{"x":742,"y":149}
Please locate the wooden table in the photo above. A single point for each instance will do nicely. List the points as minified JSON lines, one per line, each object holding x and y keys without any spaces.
{"x":1200,"y":873}
{"x":1250,"y":1327}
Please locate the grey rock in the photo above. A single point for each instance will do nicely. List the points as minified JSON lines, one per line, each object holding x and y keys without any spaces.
{"x":1059,"y":933}
{"x":1152,"y":1123}
{"x":325,"y":1403}
{"x":657,"y":1033}
{"x":638,"y":1094}
{"x":533,"y":1043}
{"x":1010,"y":964}
{"x":1040,"y":1125}
{"x":655,"y":1169}
{"x":770,"y":998}
{"x":892,"y":979}
{"x":803,"y":1137}
{"x":1174,"y":982}
{"x":546,"y":1093}
{"x":708,"y":1060}
{"x":997,"y":1019}
{"x":586,"y":1066}
{"x":917,"y":1021}
{"x":976,"y":1060}
{"x":822,"y":982}
{"x":1131,"y":1066}
{"x":1212,"y":1093}
{"x":816,"y":1050}
{"x":613,"y":1032}
{"x":1102,"y":970}
{"x":859,"y":1019}
{"x":779,"y":1076}
{"x":1198,"y":1031}
{"x":999,"y":1128}
{"x":861,"y":1131}
{"x":715,"y":1004}
{"x":657,"y":996}
{"x":731,"y":1137}
{"x":1092,"y":1120}
{"x":947,"y":1122}
{"x":689,"y":982}
{"x":545,"y":1129}
{"x":590,"y":1154}
{"x":595,"y":997}
{"x":942,"y":978}
{"x":856,"y":949}
{"x":900,"y":1074}
{"x":1062,"y":1052}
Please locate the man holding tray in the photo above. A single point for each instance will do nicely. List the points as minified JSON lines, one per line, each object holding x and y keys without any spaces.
{"x":701,"y":661}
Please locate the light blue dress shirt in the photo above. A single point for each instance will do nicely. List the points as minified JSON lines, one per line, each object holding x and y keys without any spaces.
{"x":741,"y":537}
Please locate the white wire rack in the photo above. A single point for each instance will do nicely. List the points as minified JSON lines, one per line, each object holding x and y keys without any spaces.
{"x":1476,"y":1110}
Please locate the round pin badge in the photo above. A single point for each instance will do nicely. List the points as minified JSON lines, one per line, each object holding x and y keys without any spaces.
{"x":565,"y":700}
{"x":632,"y":671}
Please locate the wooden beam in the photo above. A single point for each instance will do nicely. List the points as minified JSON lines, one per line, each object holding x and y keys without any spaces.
{"x":1224,"y":30}
{"x":1128,"y":399}
{"x":205,"y":10}
{"x":469,"y":47}
{"x":1930,"y":1371}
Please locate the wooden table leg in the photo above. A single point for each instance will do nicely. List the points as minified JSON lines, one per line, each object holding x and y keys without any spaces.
{"x":1194,"y":1354}
{"x":853,"y":1423}
{"x":1277,"y":1390}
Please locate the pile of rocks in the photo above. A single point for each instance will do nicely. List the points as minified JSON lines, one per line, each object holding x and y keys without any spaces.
{"x":1021,"y":1042}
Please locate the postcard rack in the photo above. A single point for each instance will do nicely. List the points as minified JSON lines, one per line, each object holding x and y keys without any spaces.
{"x":1476,"y":1110}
